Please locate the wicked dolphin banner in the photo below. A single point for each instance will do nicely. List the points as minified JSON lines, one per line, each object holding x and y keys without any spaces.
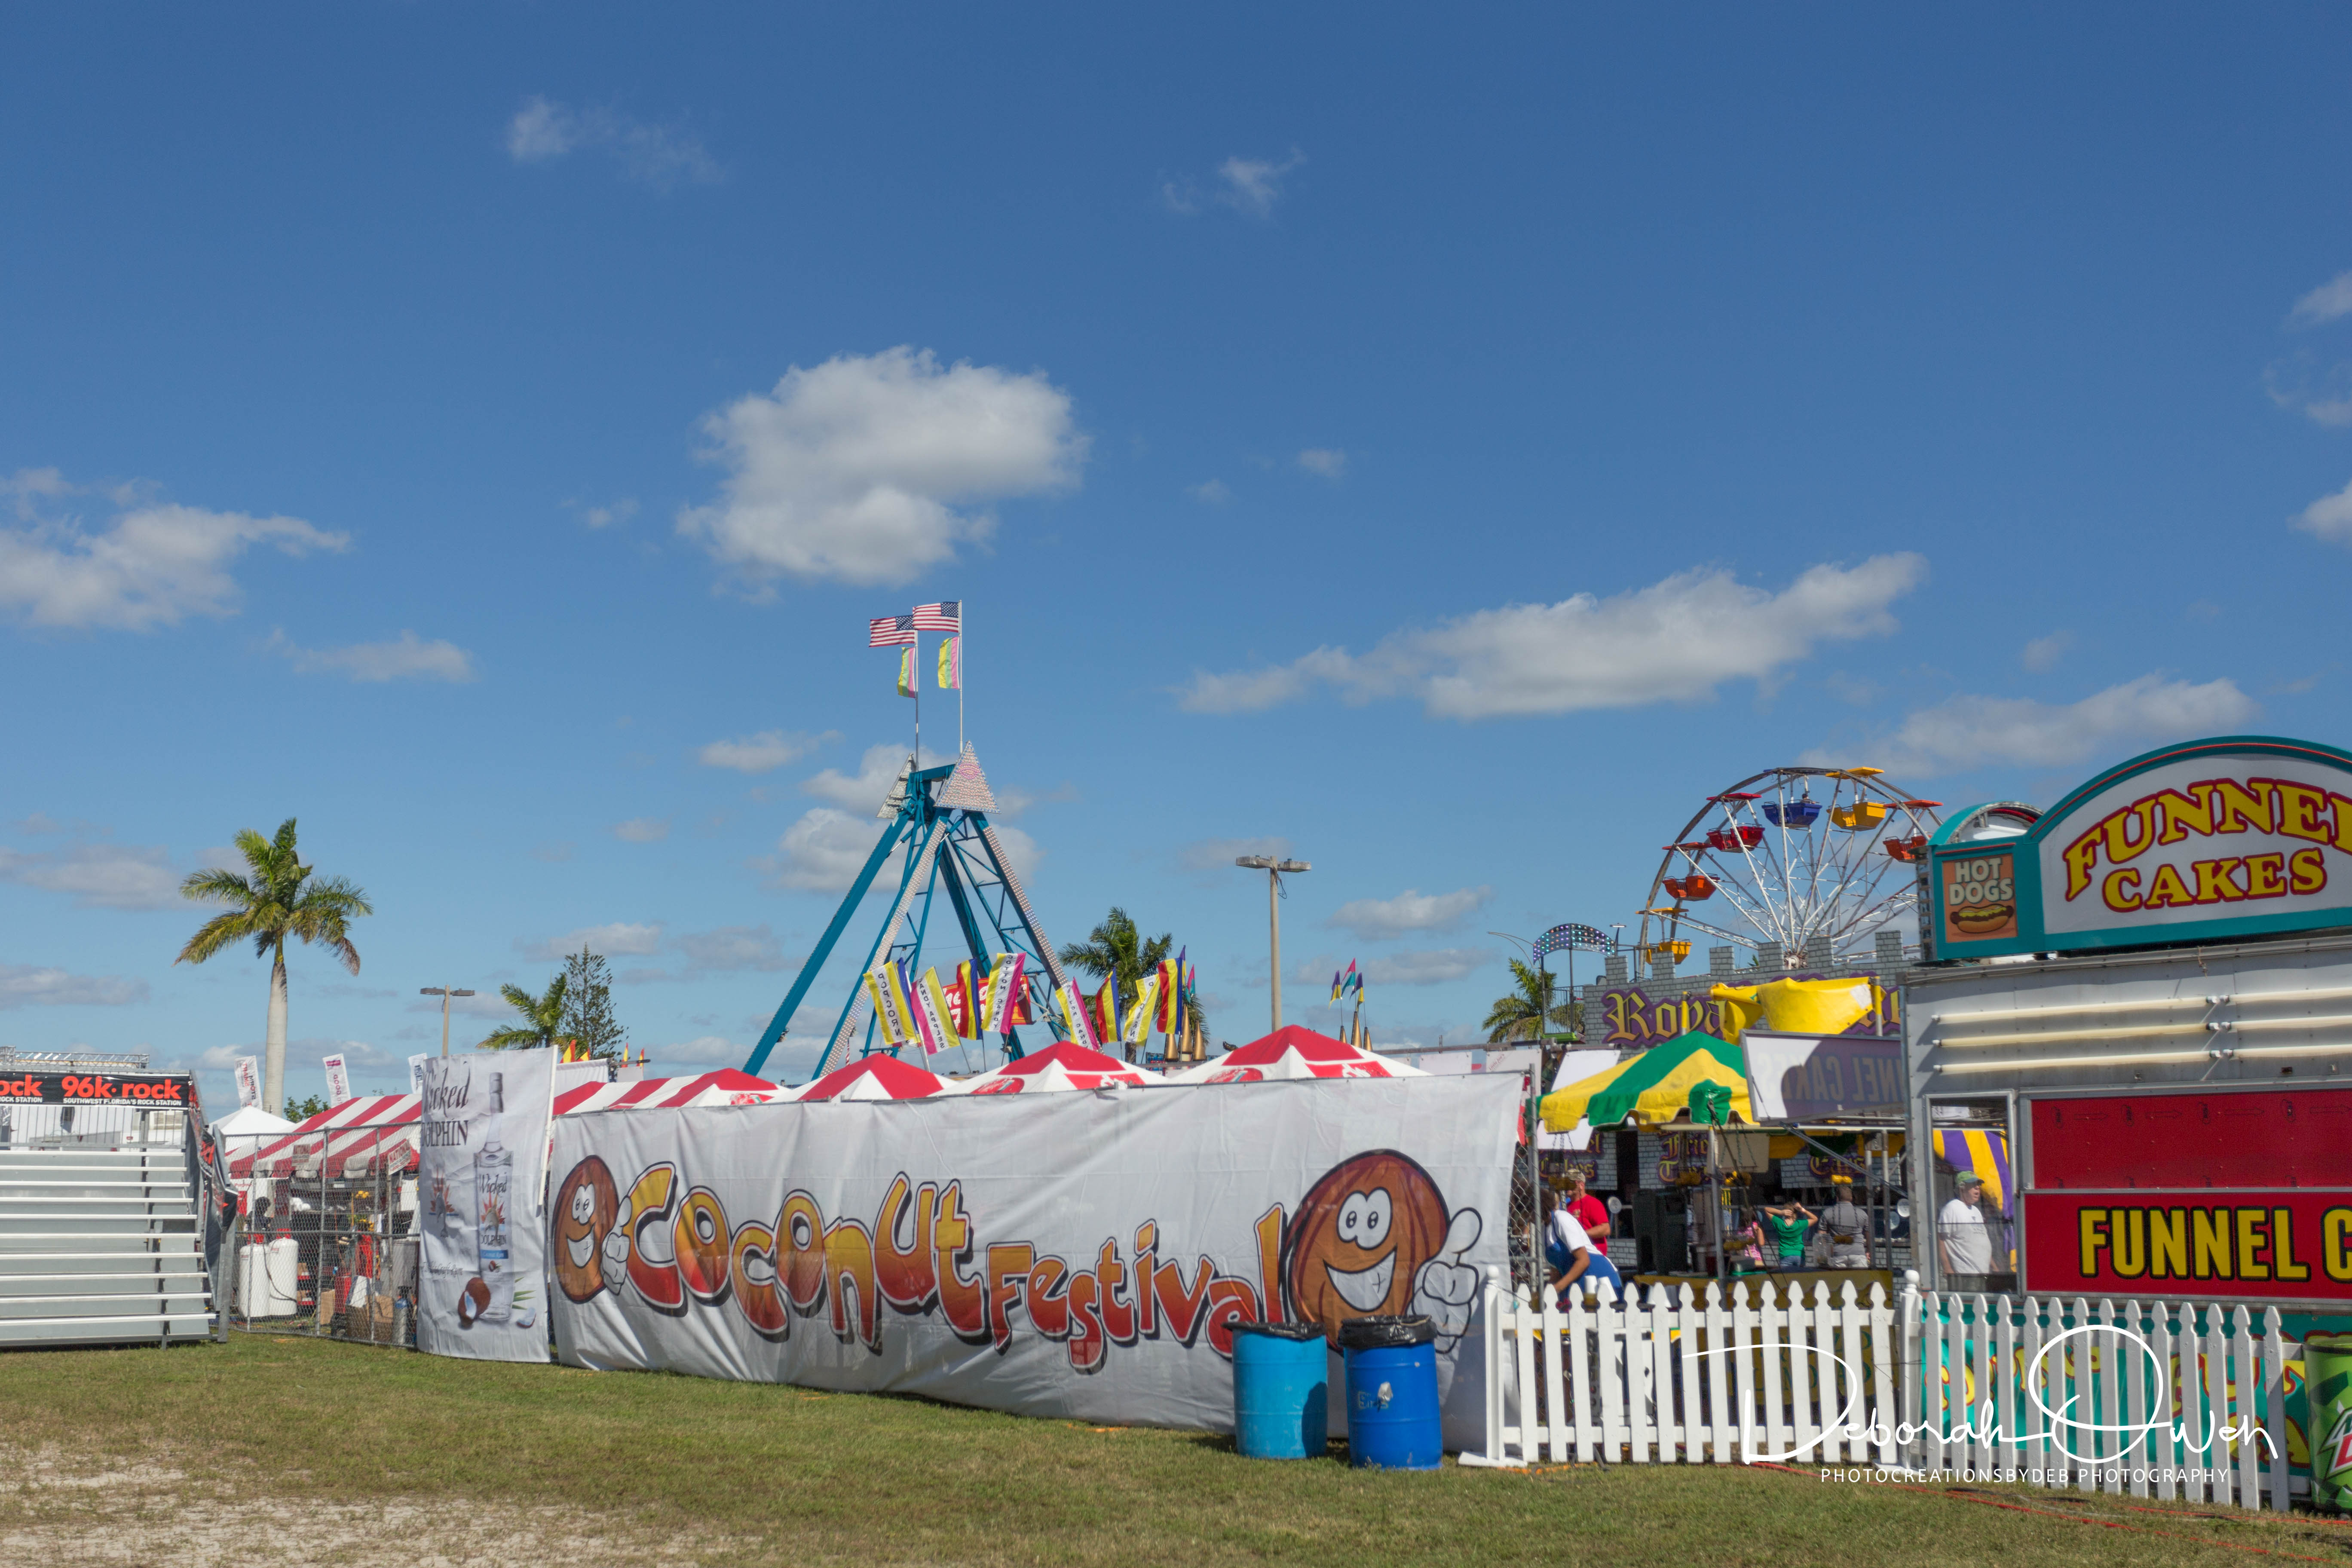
{"x":483,"y":1138}
{"x":1081,"y":1255}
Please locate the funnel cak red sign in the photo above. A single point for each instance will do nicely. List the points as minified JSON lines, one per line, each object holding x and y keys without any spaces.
{"x":2214,"y":840}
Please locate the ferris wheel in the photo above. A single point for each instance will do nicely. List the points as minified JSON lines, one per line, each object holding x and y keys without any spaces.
{"x":1791,"y":856}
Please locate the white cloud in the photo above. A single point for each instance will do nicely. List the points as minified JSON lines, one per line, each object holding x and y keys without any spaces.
{"x":643,"y":829}
{"x":154,"y":565}
{"x":555,"y":852}
{"x":853,"y":470}
{"x":1430,"y":967}
{"x":2325,"y":304}
{"x":655,"y":155}
{"x":729,"y":948}
{"x":2329,"y":517}
{"x":406,"y":658}
{"x":1963,"y":732}
{"x":605,"y":516}
{"x":762,"y":753}
{"x":1375,"y":920}
{"x":620,"y":939}
{"x":32,"y":985}
{"x":866,"y":788}
{"x":821,"y":853}
{"x":1210,"y":492}
{"x":2043,"y":653}
{"x":99,"y":875}
{"x":1328,"y":461}
{"x":1675,"y":641}
{"x":1251,"y":185}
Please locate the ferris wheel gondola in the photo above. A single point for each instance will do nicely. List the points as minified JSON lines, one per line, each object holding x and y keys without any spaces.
{"x":1791,"y":856}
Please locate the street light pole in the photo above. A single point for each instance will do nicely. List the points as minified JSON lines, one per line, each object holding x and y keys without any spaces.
{"x":445,"y":993}
{"x":1273,"y":869}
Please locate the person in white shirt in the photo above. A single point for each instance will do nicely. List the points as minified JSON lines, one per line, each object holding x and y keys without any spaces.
{"x":1572,"y":1254}
{"x":1963,"y":1239}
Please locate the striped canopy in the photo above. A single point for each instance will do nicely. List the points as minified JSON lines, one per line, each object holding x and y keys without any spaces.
{"x":727,"y":1086}
{"x":1292,"y":1051}
{"x":875,"y":1076}
{"x":1059,"y":1068}
{"x":1655,"y":1086}
{"x":354,"y":1137}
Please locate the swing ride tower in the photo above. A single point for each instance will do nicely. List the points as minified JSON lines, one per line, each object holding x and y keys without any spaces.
{"x":939,"y":817}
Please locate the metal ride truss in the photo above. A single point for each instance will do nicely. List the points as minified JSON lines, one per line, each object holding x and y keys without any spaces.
{"x":1790,"y":865}
{"x":940,"y":818}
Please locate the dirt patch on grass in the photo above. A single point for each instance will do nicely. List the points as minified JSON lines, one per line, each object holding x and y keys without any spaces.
{"x":62,"y":1508}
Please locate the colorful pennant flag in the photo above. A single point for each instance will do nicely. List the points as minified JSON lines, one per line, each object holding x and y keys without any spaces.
{"x":889,"y":1004}
{"x":945,"y":616}
{"x":1171,"y":994}
{"x":940,"y":1028}
{"x":1105,"y":1003}
{"x":1076,"y":1019}
{"x":908,"y":685}
{"x":1343,"y":979}
{"x":891,"y":631}
{"x":951,"y":664}
{"x":1144,"y":1011}
{"x":1003,"y":993}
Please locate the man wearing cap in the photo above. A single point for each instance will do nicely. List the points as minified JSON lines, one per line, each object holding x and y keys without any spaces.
{"x":1963,"y":1240}
{"x":1846,"y":1225}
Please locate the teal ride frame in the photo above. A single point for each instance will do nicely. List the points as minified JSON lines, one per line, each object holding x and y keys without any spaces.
{"x":948,"y":846}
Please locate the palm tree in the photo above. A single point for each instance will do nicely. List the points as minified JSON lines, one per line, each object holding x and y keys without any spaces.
{"x":1513,"y":1017}
{"x":280,"y":899}
{"x":1117,"y":948}
{"x":542,"y":1015}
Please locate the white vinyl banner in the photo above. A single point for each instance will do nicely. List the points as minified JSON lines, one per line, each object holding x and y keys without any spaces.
{"x":1084,"y":1255}
{"x":481,"y":1171}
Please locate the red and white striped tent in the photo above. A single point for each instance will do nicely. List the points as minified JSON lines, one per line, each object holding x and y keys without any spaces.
{"x":1061,"y":1067}
{"x":873,"y":1077}
{"x":372,"y":1132}
{"x":1293,"y":1051}
{"x":727,"y":1086}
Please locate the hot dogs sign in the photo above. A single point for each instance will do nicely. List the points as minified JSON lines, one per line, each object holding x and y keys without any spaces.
{"x":2207,"y":841}
{"x":1080,"y":1255}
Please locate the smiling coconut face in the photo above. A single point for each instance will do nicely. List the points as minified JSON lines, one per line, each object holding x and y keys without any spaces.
{"x":1361,"y":1236}
{"x":585,"y":1206}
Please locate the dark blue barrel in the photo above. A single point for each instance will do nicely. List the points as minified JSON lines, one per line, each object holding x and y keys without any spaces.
{"x":1392,"y":1417}
{"x":1281,"y":1391}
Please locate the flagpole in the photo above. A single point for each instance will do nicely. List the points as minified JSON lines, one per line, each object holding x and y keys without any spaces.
{"x":962,"y":617}
{"x":919,"y":700}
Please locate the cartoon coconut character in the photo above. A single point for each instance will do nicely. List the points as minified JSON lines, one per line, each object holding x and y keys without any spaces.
{"x":1372,"y":1237}
{"x":585,"y":1206}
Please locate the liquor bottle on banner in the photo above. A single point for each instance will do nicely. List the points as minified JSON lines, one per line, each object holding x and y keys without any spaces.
{"x":493,"y":1194}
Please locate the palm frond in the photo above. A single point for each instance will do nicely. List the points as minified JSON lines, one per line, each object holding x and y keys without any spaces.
{"x":513,"y":1038}
{"x":215,"y":886}
{"x":214,"y":934}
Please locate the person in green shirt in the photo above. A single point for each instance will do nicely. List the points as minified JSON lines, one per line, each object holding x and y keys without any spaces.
{"x":1785,"y":1225}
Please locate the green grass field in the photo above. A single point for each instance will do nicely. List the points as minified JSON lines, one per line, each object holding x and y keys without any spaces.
{"x":494,"y":1463}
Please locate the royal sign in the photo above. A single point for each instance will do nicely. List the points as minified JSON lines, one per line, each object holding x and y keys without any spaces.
{"x":2211,"y":841}
{"x":1631,"y":1020}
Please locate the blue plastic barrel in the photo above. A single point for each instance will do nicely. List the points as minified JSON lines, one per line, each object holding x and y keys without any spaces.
{"x":1281,"y":1391}
{"x":1392,"y":1417}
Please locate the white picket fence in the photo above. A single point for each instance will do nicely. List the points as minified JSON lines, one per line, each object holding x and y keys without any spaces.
{"x":2172,"y":1402}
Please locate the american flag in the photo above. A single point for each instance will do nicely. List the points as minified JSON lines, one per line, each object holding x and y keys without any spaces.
{"x":892,"y":631}
{"x":944,"y":616}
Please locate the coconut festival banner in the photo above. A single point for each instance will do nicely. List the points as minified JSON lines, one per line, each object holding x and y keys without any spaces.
{"x":481,"y":1171}
{"x":1084,"y":1255}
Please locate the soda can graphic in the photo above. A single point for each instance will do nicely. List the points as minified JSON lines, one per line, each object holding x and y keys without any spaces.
{"x":2328,"y":1395}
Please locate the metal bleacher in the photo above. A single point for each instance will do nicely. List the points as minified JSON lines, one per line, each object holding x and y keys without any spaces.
{"x":100,"y":1236}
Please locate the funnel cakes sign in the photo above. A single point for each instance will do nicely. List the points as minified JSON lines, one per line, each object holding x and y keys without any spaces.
{"x":2213,"y":841}
{"x":1083,"y":1256}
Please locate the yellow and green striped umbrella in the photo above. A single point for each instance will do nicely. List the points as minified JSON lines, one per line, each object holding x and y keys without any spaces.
{"x":1655,"y":1087}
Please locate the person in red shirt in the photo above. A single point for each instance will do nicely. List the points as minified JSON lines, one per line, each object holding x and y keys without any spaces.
{"x":1587,"y":1210}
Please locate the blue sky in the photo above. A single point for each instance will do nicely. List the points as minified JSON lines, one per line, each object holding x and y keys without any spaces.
{"x":1449,"y":447}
